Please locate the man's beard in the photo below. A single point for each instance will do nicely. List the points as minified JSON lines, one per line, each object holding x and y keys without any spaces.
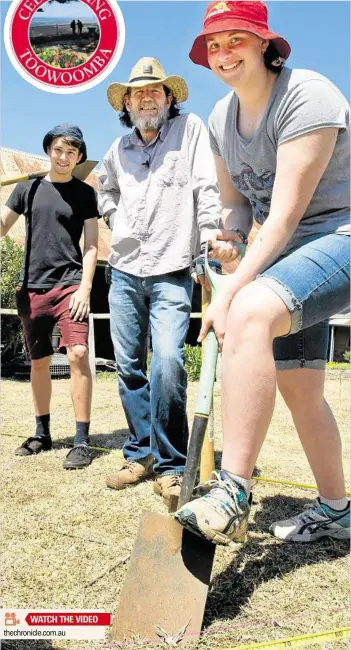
{"x":144,"y":124}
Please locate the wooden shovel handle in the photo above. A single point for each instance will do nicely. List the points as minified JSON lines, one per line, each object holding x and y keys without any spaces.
{"x":22,"y":177}
{"x":81,"y":172}
{"x":207,"y":463}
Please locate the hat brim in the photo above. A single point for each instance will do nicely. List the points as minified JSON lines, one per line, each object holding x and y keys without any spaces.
{"x":199,"y":55}
{"x":116,"y":91}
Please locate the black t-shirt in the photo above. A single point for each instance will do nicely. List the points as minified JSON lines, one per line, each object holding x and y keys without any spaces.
{"x":55,"y":215}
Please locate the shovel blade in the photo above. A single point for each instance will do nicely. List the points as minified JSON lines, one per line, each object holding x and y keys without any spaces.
{"x":166,"y":584}
{"x":83,"y":170}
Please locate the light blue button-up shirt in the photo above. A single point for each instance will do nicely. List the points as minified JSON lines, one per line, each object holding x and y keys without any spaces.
{"x":164,"y":195}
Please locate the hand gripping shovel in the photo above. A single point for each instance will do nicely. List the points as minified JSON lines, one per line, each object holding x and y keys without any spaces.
{"x":165,"y":591}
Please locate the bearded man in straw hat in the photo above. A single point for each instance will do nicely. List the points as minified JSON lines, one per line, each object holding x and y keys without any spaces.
{"x":158,"y":189}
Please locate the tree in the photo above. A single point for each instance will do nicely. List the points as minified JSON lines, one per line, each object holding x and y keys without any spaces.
{"x":11,"y":262}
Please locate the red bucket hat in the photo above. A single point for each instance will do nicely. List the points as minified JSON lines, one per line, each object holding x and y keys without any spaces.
{"x":226,"y":16}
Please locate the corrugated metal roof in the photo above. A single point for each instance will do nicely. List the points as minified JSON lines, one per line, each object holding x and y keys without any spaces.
{"x":19,"y":162}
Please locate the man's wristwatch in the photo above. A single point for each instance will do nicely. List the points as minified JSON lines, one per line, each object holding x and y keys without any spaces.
{"x":241,"y":235}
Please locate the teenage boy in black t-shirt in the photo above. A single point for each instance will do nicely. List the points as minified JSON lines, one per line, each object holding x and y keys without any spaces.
{"x":56,"y":280}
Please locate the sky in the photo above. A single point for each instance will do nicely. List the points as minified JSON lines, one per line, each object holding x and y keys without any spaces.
{"x":71,"y":10}
{"x":318,"y":32}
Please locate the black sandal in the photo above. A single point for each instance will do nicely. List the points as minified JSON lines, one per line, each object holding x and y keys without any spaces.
{"x":33,"y":446}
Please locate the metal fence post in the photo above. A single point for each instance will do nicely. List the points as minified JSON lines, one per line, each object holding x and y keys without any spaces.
{"x":91,"y":343}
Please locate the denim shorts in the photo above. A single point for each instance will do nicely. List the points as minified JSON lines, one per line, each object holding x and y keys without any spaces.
{"x":314,"y":283}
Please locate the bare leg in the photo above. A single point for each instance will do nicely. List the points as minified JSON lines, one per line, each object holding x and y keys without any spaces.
{"x":303,"y":392}
{"x":256,"y":316}
{"x":41,"y":385}
{"x":81,"y":382}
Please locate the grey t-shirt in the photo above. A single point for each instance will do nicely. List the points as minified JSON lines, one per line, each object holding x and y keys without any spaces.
{"x":301,"y":101}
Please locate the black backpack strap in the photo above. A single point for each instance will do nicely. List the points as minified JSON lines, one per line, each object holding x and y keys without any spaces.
{"x":31,"y":195}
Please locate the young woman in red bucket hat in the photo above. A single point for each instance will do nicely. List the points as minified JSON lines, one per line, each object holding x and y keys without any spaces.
{"x":280,"y":140}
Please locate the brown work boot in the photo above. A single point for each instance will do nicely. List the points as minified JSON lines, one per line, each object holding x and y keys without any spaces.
{"x":131,"y":473}
{"x":168,"y":487}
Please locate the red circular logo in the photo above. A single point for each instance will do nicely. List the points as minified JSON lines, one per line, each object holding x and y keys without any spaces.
{"x":62,"y":67}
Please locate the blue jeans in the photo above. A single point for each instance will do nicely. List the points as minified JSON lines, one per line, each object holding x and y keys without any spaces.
{"x":314,"y":283}
{"x":155,"y":410}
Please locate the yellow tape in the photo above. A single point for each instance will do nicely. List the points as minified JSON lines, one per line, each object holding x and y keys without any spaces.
{"x":298,"y":641}
{"x":300,"y":485}
{"x":120,"y":453}
{"x":70,"y":444}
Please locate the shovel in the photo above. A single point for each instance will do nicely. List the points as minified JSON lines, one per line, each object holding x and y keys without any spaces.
{"x":165,"y":591}
{"x":80,"y":171}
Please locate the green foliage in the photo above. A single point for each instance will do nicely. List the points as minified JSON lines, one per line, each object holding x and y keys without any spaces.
{"x":346,"y":356}
{"x":193,"y":361}
{"x":58,"y":57}
{"x":337,"y":365}
{"x":11,"y":262}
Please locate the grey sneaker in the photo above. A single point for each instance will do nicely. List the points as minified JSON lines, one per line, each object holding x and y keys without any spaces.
{"x":221,"y":515}
{"x":316,"y":521}
{"x":77,"y":458}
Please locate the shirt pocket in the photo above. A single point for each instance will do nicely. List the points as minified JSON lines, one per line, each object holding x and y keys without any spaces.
{"x":173,"y":171}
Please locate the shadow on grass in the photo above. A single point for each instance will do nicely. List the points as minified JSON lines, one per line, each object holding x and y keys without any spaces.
{"x":265,"y":560}
{"x":108,"y":441}
{"x":26,"y":644}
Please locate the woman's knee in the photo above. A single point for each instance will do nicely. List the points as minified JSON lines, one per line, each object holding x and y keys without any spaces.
{"x":256,"y":309}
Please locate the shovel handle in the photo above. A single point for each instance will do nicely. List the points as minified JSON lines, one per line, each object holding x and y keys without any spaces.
{"x":81,"y":171}
{"x":205,"y":391}
{"x":202,"y":412}
{"x":22,"y":177}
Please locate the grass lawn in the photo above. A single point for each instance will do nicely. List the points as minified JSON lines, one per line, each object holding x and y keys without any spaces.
{"x":67,"y":538}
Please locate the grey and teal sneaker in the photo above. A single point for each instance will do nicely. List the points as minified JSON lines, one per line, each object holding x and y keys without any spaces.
{"x":221,"y":515}
{"x":316,"y":521}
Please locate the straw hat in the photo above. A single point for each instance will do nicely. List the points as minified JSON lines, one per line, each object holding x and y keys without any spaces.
{"x":146,"y":71}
